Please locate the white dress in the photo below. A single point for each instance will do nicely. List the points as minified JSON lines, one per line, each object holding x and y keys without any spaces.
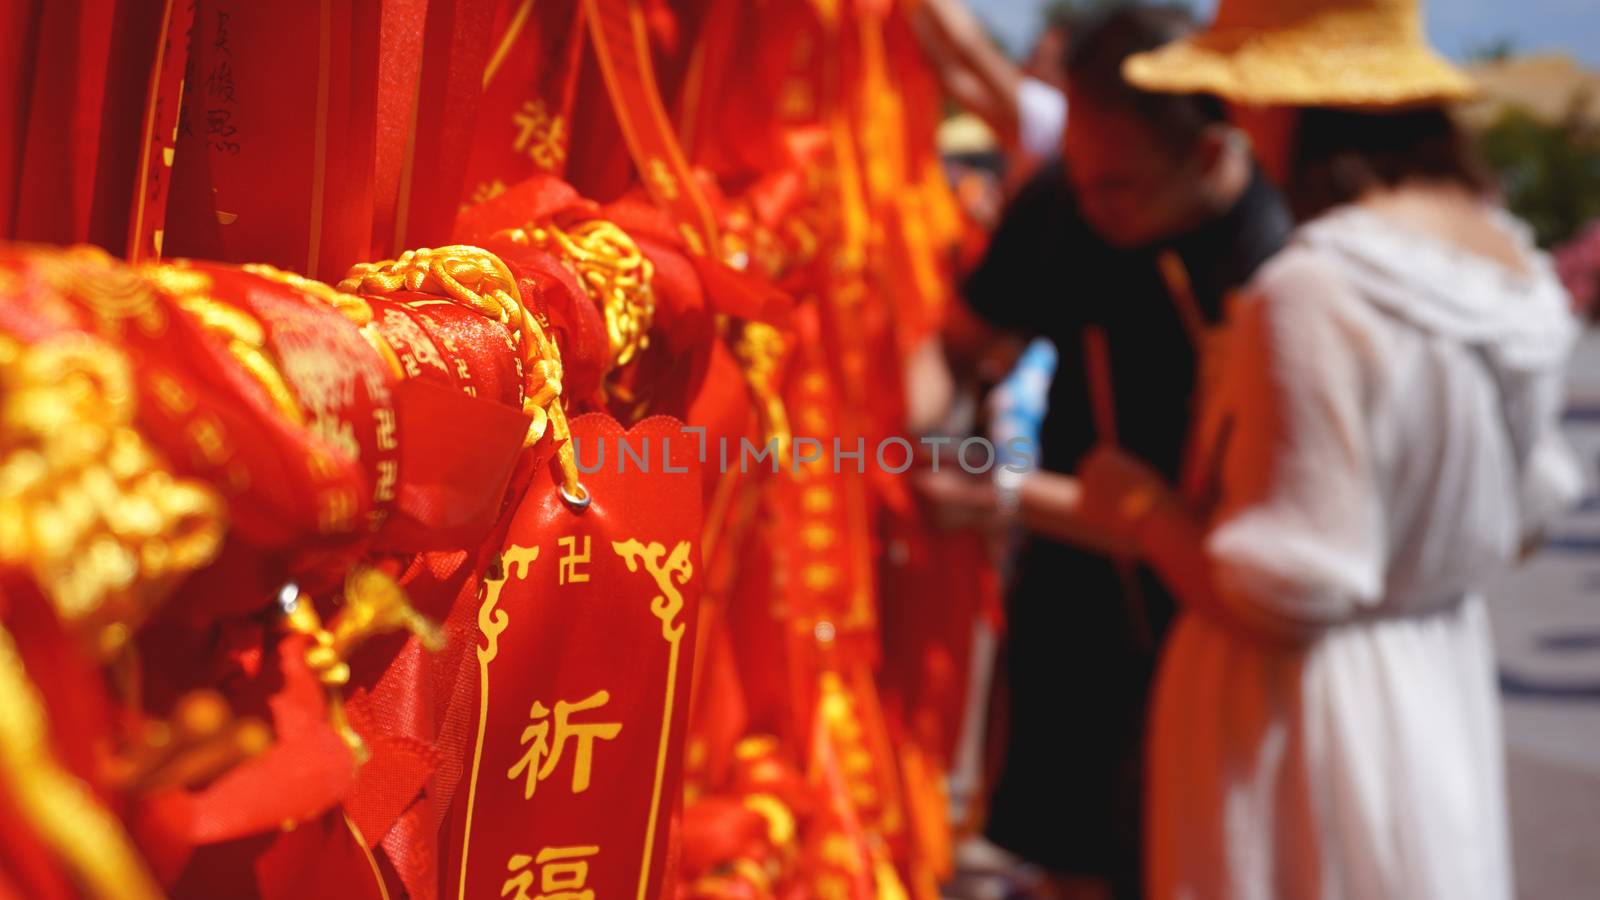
{"x":1383,"y":437}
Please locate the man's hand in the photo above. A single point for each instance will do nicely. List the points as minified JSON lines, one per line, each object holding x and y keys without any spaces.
{"x":1120,"y":493}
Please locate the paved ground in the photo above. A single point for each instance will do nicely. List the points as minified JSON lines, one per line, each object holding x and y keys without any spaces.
{"x":1547,"y":632}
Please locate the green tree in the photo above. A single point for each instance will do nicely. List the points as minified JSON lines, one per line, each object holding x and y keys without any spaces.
{"x":1551,"y":173}
{"x":1498,"y":49}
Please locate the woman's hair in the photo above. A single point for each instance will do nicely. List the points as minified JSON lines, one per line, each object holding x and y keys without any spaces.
{"x":1341,"y":154}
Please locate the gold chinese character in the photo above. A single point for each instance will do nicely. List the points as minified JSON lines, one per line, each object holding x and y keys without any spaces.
{"x":568,"y":569}
{"x":388,"y":475}
{"x":171,"y":393}
{"x":563,"y":876}
{"x":540,"y":759}
{"x":385,"y":429}
{"x":207,"y":437}
{"x":487,"y":190}
{"x":541,"y":135}
{"x":522,"y":879}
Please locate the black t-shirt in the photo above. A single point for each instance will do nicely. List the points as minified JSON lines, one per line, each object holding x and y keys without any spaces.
{"x":1079,"y":657}
{"x":1046,"y":273}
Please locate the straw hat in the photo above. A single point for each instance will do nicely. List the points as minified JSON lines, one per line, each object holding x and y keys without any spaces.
{"x":1348,"y":53}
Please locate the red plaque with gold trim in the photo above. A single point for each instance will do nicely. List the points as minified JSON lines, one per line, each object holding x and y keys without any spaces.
{"x":584,"y":657}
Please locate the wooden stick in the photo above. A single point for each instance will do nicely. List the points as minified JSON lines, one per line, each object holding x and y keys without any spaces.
{"x":1102,"y":398}
{"x":1181,"y":290}
{"x":1102,"y":401}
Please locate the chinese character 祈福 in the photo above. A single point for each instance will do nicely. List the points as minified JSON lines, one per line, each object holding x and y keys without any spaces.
{"x":540,"y":759}
{"x":562,"y":875}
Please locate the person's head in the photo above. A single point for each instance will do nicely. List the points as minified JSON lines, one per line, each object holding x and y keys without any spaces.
{"x":1145,"y":166}
{"x":1340,"y":97}
{"x":1326,"y":156}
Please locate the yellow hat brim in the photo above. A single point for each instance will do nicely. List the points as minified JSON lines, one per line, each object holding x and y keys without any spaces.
{"x":1301,"y":67}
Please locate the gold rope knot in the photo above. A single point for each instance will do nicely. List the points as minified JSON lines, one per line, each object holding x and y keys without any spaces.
{"x":374,"y":604}
{"x":614,"y":273}
{"x":469,"y":275}
{"x":479,"y":280}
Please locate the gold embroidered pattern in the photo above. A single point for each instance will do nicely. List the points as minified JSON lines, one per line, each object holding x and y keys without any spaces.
{"x":113,"y":292}
{"x":670,"y":572}
{"x":86,"y":505}
{"x":541,"y":136}
{"x":351,"y":306}
{"x":760,"y":349}
{"x":514,"y":565}
{"x":246,"y":340}
{"x":247,"y":343}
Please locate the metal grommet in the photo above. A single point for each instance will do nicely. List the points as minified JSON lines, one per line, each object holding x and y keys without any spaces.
{"x":580,"y":502}
{"x":288,"y":598}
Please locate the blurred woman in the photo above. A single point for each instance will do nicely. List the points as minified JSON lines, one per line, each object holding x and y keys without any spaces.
{"x":1379,"y":441}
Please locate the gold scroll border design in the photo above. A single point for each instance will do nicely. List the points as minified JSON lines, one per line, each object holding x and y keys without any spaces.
{"x":669,"y":571}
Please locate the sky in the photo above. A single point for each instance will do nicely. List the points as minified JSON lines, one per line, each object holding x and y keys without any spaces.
{"x":1458,"y":27}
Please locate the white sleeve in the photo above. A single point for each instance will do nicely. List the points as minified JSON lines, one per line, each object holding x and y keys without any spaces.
{"x":1041,"y":117}
{"x":1553,"y":479}
{"x":1298,"y":538}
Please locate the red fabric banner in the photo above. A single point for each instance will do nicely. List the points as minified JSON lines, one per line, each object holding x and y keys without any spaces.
{"x":524,"y":123}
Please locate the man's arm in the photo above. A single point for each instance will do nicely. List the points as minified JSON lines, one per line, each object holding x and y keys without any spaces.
{"x":1046,"y":503}
{"x":1049,"y":504}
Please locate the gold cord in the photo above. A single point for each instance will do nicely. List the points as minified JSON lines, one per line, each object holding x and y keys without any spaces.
{"x":614,"y":273}
{"x":373,"y":604}
{"x":60,"y":807}
{"x":759,"y":348}
{"x":479,"y":280}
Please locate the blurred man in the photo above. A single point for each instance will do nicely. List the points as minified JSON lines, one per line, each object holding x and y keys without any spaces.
{"x":1157,"y":215}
